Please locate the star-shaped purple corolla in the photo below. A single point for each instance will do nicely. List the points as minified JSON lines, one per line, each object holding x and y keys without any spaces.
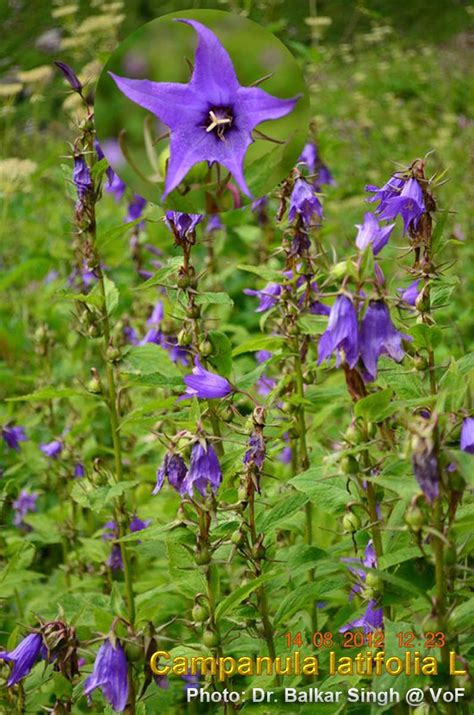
{"x":211,"y":118}
{"x":371,"y":234}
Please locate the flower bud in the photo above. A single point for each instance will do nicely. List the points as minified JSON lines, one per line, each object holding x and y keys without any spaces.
{"x":184,"y":338}
{"x":200,"y":613}
{"x":414,"y":518}
{"x":113,"y":354}
{"x":350,"y":522}
{"x":183,"y":281}
{"x":193,"y":311}
{"x":205,"y":348}
{"x":202,"y":557}
{"x":349,"y":464}
{"x":210,"y":639}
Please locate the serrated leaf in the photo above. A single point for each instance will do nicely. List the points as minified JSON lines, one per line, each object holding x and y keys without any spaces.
{"x":328,"y":491}
{"x":240,"y":593}
{"x":162,"y":273}
{"x":147,"y":360}
{"x":218,"y":298}
{"x":312,"y":324}
{"x":374,"y":407}
{"x":221,"y":358}
{"x":262,"y":342}
{"x":287,"y":506}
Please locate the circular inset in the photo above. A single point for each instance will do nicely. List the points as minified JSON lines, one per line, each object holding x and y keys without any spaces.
{"x":201,"y":111}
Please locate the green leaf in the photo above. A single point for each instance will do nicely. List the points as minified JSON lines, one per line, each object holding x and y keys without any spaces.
{"x":162,"y":273}
{"x":437,"y":234}
{"x":49,"y":393}
{"x":262,"y":342}
{"x":328,"y":491}
{"x":250,"y":378}
{"x":214,"y":299}
{"x":312,"y":324}
{"x":221,"y":358}
{"x":111,"y":295}
{"x":374,"y":407}
{"x":267,"y":274}
{"x":288,"y":505}
{"x":426,"y":336}
{"x":398,"y":556}
{"x":147,"y":360}
{"x":239,"y":594}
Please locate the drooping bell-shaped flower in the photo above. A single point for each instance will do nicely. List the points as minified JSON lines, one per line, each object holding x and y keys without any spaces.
{"x":174,"y":469}
{"x":211,"y":118}
{"x":12,"y":436}
{"x":111,"y":532}
{"x":411,"y":293}
{"x":204,"y":470}
{"x":371,"y":620}
{"x":305,"y":203}
{"x":425,"y":462}
{"x":467,"y":435}
{"x":110,"y":675}
{"x":52,"y":449}
{"x":182,"y":224}
{"x":135,"y":209}
{"x":342,"y":333}
{"x":25,"y":503}
{"x":205,"y":385}
{"x":369,"y":561}
{"x":378,"y":336}
{"x":370,"y":233}
{"x":268,"y":296}
{"x":69,"y":75}
{"x":23,"y":657}
{"x":409,"y":204}
{"x":79,"y":470}
{"x":310,"y":157}
{"x":255,"y":453}
{"x":137,"y":524}
{"x":81,"y":177}
{"x":388,"y":191}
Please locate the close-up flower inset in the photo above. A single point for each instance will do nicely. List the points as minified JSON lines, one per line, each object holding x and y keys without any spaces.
{"x":215,"y":141}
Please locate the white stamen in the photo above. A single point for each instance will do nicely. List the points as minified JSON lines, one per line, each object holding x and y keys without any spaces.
{"x":217,"y":121}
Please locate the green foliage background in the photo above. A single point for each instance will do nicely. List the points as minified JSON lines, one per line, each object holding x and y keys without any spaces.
{"x":388,"y":82}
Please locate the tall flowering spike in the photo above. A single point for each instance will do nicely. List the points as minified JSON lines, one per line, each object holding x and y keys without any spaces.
{"x":81,"y":177}
{"x":371,"y":620}
{"x":211,"y":118}
{"x":467,"y":435}
{"x":342,"y":333}
{"x":372,"y":234}
{"x":52,"y":449}
{"x":304,"y":203}
{"x":378,"y":336}
{"x":204,"y":470}
{"x":110,"y":675}
{"x":23,"y":657}
{"x":174,"y":469}
{"x":268,"y":296}
{"x":411,"y":293}
{"x":205,"y":385}
{"x":13,"y":435}
{"x":409,"y":204}
{"x":182,"y":224}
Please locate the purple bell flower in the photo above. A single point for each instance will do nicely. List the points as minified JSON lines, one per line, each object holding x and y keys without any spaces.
{"x":190,"y":681}
{"x":256,"y":450}
{"x":79,"y":470}
{"x":25,"y":503}
{"x":116,"y":187}
{"x":204,"y":470}
{"x":310,"y":157}
{"x":138,"y":524}
{"x":211,"y":118}
{"x":467,"y":435}
{"x":52,"y":449}
{"x":156,"y":315}
{"x":369,"y":560}
{"x":182,"y":224}
{"x":135,"y":209}
{"x":409,"y":205}
{"x":111,"y":532}
{"x":371,"y":234}
{"x":81,"y":177}
{"x":388,"y":191}
{"x":23,"y":657}
{"x":372,"y":620}
{"x":110,"y":675}
{"x":268,"y":296}
{"x":410,"y":294}
{"x":262,"y":356}
{"x":174,"y":469}
{"x":70,"y":75}
{"x":378,"y":336}
{"x":342,"y":333}
{"x":304,"y":203}
{"x":205,"y":385}
{"x":426,"y":470}
{"x":12,"y":436}
{"x":214,"y":223}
